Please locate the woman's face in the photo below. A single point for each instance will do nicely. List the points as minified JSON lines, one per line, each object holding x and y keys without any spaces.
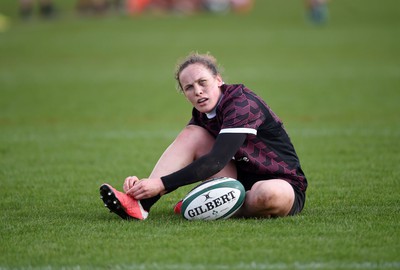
{"x":201,"y":87}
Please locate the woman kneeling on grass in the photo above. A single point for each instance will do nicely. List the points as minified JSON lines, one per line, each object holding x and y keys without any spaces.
{"x":232,"y":133}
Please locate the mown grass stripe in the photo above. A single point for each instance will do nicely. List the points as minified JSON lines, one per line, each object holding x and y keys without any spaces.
{"x":239,"y":266}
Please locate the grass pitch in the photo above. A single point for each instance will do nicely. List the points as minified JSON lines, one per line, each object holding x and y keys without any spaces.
{"x":90,"y":100}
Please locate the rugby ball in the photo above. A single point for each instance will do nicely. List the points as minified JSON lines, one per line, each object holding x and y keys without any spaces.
{"x":218,"y":198}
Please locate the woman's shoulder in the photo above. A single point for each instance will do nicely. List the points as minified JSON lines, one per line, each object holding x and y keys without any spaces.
{"x":229,"y":88}
{"x":235,"y":91}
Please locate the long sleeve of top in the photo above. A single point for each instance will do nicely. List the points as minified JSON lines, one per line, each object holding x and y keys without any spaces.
{"x":225,"y":147}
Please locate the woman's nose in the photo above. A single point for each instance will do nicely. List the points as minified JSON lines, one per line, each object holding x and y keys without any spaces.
{"x":198,"y":89}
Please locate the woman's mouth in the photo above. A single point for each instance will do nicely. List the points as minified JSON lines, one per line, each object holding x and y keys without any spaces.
{"x":202,"y":100}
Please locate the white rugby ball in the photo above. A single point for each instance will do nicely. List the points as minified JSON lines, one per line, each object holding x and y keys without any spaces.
{"x":218,"y":198}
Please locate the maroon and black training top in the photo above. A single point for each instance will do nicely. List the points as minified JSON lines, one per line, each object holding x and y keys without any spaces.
{"x":248,"y":131}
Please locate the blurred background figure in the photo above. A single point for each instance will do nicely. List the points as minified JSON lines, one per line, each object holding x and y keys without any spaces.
{"x":218,"y":6}
{"x":187,"y":7}
{"x":317,"y":10}
{"x":242,"y":6}
{"x":135,"y":7}
{"x":99,"y":7}
{"x":27,"y":8}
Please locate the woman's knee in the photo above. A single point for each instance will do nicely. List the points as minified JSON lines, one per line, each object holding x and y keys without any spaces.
{"x":193,"y":131}
{"x":260,"y":196}
{"x":271,"y":197}
{"x":197,"y":139}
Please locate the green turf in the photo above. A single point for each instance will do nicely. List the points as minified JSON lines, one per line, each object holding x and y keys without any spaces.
{"x":88,"y":100}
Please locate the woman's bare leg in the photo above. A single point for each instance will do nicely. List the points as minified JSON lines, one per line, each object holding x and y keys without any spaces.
{"x":192,"y":143}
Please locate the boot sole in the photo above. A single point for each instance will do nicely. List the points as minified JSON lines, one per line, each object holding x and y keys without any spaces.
{"x":112,"y":203}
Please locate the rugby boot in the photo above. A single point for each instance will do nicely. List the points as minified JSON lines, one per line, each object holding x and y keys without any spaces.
{"x":122,"y":204}
{"x":178,"y":207}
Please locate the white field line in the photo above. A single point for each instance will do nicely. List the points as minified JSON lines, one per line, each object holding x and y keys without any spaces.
{"x":171,"y":134}
{"x":241,"y":266}
{"x":306,"y":132}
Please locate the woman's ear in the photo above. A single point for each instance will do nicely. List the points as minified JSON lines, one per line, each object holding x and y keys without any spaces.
{"x":219,"y":80}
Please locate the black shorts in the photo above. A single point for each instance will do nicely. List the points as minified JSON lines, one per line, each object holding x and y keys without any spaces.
{"x":249,"y":179}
